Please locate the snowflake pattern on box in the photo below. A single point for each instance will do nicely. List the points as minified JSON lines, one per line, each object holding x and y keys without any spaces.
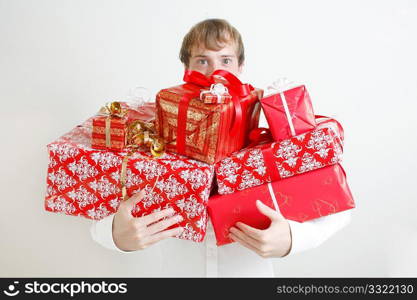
{"x":303,"y":153}
{"x":85,"y":182}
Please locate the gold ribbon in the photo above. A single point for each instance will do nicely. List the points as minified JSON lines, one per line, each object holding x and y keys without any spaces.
{"x":140,"y":134}
{"x":143,"y":134}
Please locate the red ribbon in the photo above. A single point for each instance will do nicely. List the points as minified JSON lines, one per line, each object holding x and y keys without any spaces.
{"x":236,"y":88}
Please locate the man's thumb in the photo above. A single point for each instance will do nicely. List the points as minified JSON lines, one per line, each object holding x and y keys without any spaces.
{"x":269,"y":212}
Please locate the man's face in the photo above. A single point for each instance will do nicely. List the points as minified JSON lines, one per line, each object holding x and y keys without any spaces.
{"x":206,"y":61}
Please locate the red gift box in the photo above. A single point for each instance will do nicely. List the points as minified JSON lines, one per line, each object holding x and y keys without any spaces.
{"x":110,"y":130}
{"x":206,"y":132}
{"x":86,"y":182}
{"x":275,"y":161}
{"x":289,"y":112}
{"x":299,"y":198}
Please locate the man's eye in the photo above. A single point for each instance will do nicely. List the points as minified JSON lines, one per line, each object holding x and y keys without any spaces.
{"x":227,"y":61}
{"x":202,"y":61}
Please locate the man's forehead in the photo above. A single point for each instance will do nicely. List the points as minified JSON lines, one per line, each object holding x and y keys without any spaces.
{"x":228,"y":50}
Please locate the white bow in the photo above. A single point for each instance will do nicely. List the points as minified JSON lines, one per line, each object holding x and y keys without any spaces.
{"x":216,"y":89}
{"x":282,"y":84}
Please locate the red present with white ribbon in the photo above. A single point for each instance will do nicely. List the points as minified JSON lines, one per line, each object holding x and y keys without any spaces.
{"x":299,"y":198}
{"x":258,"y":165}
{"x":90,"y":183}
{"x":288,"y":110}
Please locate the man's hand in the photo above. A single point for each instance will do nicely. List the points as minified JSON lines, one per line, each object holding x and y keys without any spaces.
{"x":275,"y":241}
{"x":131,"y":234}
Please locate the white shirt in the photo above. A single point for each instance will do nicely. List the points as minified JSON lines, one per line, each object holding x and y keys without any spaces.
{"x":233,"y":260}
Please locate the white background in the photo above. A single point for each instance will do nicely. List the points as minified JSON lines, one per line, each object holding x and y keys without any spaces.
{"x":61,"y":60}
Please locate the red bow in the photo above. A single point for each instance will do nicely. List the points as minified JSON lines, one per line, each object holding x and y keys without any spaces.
{"x":236,"y":88}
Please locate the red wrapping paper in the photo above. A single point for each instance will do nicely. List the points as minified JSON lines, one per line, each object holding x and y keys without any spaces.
{"x":300,"y":198}
{"x":300,"y":109}
{"x":275,"y":161}
{"x":208,"y":131}
{"x":85,"y":182}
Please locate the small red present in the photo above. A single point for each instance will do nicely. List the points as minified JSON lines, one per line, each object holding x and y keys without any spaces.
{"x":206,"y":132}
{"x":275,"y":161}
{"x":289,"y":111}
{"x":90,"y":183}
{"x":299,"y":198}
{"x":110,"y":126}
{"x":218,"y":93}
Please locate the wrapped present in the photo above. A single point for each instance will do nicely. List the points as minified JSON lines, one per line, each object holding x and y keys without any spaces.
{"x":269,"y":162}
{"x":90,"y":183}
{"x":299,"y":198}
{"x":110,"y":125}
{"x":217,"y":94}
{"x":207,"y":132}
{"x":288,"y":110}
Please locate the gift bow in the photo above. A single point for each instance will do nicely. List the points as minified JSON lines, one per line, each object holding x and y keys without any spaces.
{"x":235,"y":87}
{"x":216,"y":89}
{"x":142,"y":133}
{"x":280,"y":86}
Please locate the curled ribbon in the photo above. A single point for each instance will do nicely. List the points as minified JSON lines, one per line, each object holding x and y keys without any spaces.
{"x":143,"y":134}
{"x":140,"y":134}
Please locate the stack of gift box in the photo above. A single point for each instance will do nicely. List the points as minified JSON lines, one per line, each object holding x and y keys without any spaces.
{"x":198,"y":150}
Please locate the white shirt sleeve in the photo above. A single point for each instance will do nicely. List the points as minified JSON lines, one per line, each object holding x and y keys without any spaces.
{"x":311,"y":234}
{"x":102,"y":233}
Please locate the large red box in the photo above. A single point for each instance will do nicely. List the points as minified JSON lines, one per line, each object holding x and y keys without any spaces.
{"x":300,"y":198}
{"x":86,"y":182}
{"x":257,"y":165}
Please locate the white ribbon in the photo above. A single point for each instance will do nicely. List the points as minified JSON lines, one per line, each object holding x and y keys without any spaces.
{"x":216,"y":89}
{"x":280,"y":86}
{"x":274,"y":200}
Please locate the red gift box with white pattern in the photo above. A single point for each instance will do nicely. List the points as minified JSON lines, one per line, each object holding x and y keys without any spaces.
{"x":255,"y":166}
{"x":299,"y":198}
{"x":289,"y":112}
{"x":85,"y":182}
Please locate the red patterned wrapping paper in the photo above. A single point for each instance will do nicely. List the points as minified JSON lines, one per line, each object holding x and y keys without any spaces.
{"x":82,"y":181}
{"x":300,"y":198}
{"x":275,"y":161}
{"x":300,"y":113}
{"x":208,"y":130}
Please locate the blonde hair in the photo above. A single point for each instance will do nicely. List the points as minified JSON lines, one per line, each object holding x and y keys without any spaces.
{"x":213,"y":34}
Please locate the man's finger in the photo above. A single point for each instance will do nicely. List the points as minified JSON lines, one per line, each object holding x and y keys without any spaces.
{"x":243,"y":243}
{"x":130,"y":203}
{"x":156,"y":216}
{"x":164,"y":224}
{"x":164,"y":234}
{"x":272,"y":214}
{"x":250,"y":231}
{"x":243,"y":236}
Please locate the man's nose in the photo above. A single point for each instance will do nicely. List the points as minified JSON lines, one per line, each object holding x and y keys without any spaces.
{"x":213,"y":67}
